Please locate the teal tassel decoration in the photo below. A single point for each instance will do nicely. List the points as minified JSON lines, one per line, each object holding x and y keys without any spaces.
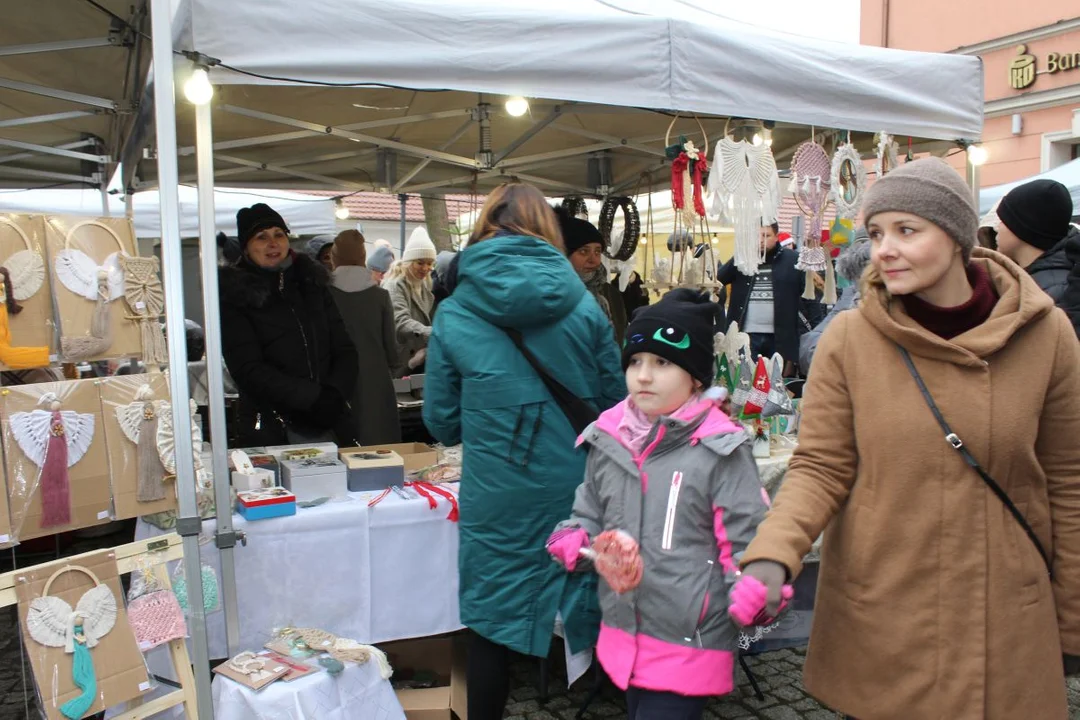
{"x":82,"y":671}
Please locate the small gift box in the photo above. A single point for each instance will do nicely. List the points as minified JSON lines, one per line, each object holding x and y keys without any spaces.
{"x":314,"y":478}
{"x":373,"y":469}
{"x":264,"y":504}
{"x":246,"y":477}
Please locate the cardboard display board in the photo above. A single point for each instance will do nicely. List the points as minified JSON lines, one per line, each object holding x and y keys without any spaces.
{"x":116,"y":392}
{"x":118,"y":665}
{"x":98,"y":238}
{"x":443,"y":656}
{"x":7,"y":535}
{"x":22,"y":236}
{"x":88,"y":479}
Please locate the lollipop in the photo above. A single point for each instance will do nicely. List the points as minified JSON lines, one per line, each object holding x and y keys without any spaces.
{"x":616,"y":557}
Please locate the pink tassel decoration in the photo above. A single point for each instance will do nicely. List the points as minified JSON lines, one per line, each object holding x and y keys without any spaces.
{"x":55,"y":488}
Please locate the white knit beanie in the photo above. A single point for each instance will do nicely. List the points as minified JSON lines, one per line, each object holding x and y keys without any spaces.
{"x":419,"y":246}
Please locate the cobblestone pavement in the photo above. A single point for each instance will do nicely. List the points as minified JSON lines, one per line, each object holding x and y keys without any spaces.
{"x":778,"y":674}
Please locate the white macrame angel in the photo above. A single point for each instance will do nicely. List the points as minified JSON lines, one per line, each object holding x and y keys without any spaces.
{"x":80,"y":273}
{"x":53,"y":623}
{"x":734,"y":344}
{"x":101,"y":284}
{"x":54,"y":440}
{"x":624,"y":268}
{"x":141,"y":423}
{"x":744,"y":187}
{"x":166,"y":440}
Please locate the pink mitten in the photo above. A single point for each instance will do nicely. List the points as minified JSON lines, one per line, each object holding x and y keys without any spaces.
{"x":749,"y":598}
{"x":565,"y":546}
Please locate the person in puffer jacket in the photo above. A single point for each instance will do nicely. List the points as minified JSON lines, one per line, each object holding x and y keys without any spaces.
{"x":670,"y":469}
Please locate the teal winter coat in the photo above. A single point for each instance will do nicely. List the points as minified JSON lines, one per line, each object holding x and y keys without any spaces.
{"x":520,"y":465}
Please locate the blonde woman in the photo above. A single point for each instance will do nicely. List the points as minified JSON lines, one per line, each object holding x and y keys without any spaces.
{"x":409,"y":285}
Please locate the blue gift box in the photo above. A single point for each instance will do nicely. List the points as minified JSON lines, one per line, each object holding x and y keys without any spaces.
{"x":265,"y":504}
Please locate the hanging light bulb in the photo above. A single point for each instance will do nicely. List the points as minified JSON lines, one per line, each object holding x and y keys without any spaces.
{"x":198,"y":89}
{"x":757,"y":138}
{"x":977,"y":155}
{"x":768,"y":137}
{"x":643,"y":241}
{"x":517,"y":106}
{"x":340,"y":211}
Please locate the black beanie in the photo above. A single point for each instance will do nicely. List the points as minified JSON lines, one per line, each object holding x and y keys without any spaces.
{"x":576,"y":233}
{"x":252,"y":220}
{"x":680,"y":329}
{"x":1037,"y":212}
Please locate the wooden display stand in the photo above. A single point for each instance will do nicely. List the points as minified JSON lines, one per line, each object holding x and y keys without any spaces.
{"x":161,"y":549}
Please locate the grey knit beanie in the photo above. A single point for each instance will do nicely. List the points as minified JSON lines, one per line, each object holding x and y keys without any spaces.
{"x":931,"y":189}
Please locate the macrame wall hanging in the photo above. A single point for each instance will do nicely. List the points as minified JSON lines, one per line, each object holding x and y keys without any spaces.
{"x":146,"y":300}
{"x":811,"y":185}
{"x":141,"y":422}
{"x":848,"y":179}
{"x":52,"y":622}
{"x":887,"y":154}
{"x":54,"y":440}
{"x":688,"y":169}
{"x":745,"y":187}
{"x":101,"y":284}
{"x":626,"y":244}
{"x":21,"y":276}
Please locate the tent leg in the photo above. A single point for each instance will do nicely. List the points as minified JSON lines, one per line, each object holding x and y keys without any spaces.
{"x":208,"y":257}
{"x":188,"y":523}
{"x":402,"y":198}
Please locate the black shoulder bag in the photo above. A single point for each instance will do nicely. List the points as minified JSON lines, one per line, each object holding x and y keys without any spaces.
{"x":577,"y":411}
{"x":957,"y":444}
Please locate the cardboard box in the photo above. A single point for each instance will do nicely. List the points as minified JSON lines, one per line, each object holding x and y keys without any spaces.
{"x":444,"y":656}
{"x":373,"y":470}
{"x":416,"y":455}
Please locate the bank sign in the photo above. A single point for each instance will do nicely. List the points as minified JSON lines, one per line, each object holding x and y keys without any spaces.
{"x":1024,"y":67}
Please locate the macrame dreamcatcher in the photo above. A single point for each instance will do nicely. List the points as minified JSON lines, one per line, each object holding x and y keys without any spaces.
{"x":54,"y":440}
{"x":745,"y":187}
{"x":887,"y":154}
{"x":52,"y":622}
{"x":688,"y":169}
{"x":848,"y":179}
{"x":146,"y":300}
{"x":810,"y":183}
{"x":140,"y":422}
{"x":21,"y":276}
{"x":628,"y":237}
{"x":101,"y":284}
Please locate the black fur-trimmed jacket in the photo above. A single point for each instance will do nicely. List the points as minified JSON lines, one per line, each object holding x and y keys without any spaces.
{"x":283,"y":341}
{"x":1057,"y":272}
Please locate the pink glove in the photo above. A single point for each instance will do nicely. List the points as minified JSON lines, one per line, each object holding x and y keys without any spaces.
{"x":749,"y":598}
{"x":565,"y":546}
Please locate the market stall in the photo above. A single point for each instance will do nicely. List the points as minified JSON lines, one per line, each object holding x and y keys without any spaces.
{"x":422,"y":97}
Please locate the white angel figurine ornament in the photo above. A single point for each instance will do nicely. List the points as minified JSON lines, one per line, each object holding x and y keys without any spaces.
{"x":102,"y":284}
{"x":52,"y":622}
{"x":141,"y":423}
{"x":54,"y":440}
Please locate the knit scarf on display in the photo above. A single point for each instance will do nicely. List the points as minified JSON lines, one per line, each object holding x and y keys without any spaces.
{"x":594,"y":283}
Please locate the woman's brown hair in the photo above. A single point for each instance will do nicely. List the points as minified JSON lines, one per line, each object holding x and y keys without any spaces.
{"x":520,"y":209}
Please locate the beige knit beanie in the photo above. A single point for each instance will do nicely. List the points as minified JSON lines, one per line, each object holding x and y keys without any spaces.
{"x":931,"y":189}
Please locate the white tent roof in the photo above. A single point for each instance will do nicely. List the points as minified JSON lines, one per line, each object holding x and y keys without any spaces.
{"x":305,"y":215}
{"x":1067,"y":174}
{"x":666,"y":54}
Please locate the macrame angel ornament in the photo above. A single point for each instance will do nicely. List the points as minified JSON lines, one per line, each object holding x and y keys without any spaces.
{"x":21,"y":276}
{"x":146,"y":300}
{"x":624,"y":268}
{"x":140,"y":422}
{"x":102,"y":284}
{"x":745,"y":188}
{"x":811,"y":183}
{"x":52,"y":622}
{"x":734,"y":344}
{"x":54,"y":440}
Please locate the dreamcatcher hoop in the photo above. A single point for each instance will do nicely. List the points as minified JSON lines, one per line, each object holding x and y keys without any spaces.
{"x":19,"y":231}
{"x":575,"y":205}
{"x":70,"y":568}
{"x":701,"y":126}
{"x":631,"y":226}
{"x":94,"y":223}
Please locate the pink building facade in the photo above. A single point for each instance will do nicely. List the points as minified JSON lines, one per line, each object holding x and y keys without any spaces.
{"x":1031,"y":63}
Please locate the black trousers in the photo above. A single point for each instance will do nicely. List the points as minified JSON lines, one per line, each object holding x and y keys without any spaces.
{"x":652,"y":705}
{"x":764,"y":345}
{"x":487,"y":675}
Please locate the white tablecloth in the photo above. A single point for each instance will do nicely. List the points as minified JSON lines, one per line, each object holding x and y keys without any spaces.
{"x":358,"y":693}
{"x":368,"y":574}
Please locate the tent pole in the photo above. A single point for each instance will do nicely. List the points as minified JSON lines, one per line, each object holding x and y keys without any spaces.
{"x":403,"y":198}
{"x":188,"y":522}
{"x":225,"y":537}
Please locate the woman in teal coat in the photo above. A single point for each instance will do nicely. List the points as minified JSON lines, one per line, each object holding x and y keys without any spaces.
{"x":521,"y":466}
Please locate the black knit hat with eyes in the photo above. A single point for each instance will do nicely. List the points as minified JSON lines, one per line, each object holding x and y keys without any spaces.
{"x":680,"y":329}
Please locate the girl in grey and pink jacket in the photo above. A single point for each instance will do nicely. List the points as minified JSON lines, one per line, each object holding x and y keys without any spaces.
{"x":671,"y":470}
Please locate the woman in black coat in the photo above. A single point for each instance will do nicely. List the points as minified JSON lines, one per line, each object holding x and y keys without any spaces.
{"x":283,"y":339}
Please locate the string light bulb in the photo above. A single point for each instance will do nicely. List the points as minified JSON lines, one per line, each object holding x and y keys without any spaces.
{"x":517,"y":106}
{"x":977,"y":155}
{"x":340,"y":211}
{"x":198,"y":89}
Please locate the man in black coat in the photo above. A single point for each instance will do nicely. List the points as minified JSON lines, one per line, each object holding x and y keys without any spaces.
{"x":1034,"y":232}
{"x":766,"y":305}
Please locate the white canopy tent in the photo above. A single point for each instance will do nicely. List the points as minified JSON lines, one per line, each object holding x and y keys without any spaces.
{"x":306,"y":215}
{"x":1067,"y":174}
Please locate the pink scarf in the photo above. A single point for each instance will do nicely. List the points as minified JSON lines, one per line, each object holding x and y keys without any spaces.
{"x":634,"y":426}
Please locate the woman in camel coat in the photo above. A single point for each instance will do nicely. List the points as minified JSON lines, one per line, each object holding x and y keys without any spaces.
{"x":932,"y":602}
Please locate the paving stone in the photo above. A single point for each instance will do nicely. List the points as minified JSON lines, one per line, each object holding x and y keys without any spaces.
{"x":781,"y":713}
{"x":821,"y":715}
{"x":731,"y":711}
{"x":520,"y":708}
{"x":753,"y":703}
{"x":789,"y":693}
{"x":806,"y":705}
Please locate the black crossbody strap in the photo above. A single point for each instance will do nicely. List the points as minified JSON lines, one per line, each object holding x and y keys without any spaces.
{"x":957,"y":444}
{"x":578,"y":412}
